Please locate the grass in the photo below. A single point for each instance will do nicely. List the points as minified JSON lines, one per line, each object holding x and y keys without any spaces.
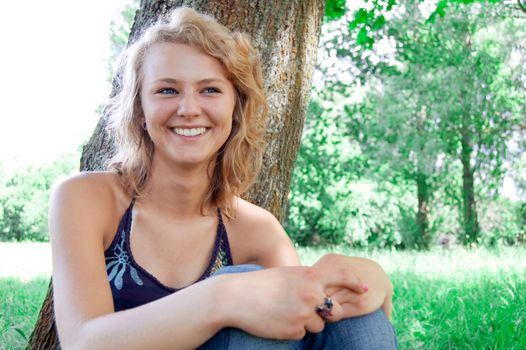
{"x":455,"y":299}
{"x":19,"y":305}
{"x":444,"y":299}
{"x":24,"y":276}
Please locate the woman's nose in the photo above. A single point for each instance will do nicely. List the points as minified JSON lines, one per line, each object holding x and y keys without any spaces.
{"x":188,"y":106}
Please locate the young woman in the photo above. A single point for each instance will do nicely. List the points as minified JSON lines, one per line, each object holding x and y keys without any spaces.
{"x":134,"y":247}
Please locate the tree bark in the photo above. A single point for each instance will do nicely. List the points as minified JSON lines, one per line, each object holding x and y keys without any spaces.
{"x":471,"y":225}
{"x":286,"y":34}
{"x":423,"y":190}
{"x":422,"y":221}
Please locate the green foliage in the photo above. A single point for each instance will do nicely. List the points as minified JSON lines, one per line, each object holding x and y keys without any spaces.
{"x":24,"y":198}
{"x":368,"y":20}
{"x":377,"y":218}
{"x":503,"y":222}
{"x":442,"y":5}
{"x":328,"y":203}
{"x":319,"y":186}
{"x":372,"y":17}
{"x":334,"y":9}
{"x":434,"y":117}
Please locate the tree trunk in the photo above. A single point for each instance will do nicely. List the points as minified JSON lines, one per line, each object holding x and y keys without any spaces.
{"x":422,"y":221}
{"x":423,"y":191}
{"x":471,"y":225}
{"x":286,"y":34}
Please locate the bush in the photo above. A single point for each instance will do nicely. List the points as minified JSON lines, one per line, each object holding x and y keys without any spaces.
{"x":328,"y":204}
{"x":24,"y":198}
{"x":320,"y":180}
{"x":502,"y":222}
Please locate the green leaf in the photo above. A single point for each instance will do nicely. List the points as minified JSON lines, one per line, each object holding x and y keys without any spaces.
{"x":334,"y":9}
{"x":363,"y":38}
{"x":361,"y":16}
{"x":378,"y":23}
{"x":21,"y":332}
{"x":440,"y":10}
{"x":390,"y":4}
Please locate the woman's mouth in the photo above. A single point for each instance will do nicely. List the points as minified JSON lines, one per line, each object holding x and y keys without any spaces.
{"x":189,"y":131}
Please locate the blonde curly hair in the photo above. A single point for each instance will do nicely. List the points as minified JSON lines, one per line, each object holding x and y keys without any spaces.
{"x":239,"y":159}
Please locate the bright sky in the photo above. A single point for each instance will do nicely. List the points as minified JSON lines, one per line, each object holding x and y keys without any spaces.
{"x":52,"y":75}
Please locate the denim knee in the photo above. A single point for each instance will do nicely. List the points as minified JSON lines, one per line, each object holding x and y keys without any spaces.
{"x":237,"y":269}
{"x":236,"y":339}
{"x":373,"y":331}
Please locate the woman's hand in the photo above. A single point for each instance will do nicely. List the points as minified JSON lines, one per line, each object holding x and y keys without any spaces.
{"x":379,"y":288}
{"x":281,"y":302}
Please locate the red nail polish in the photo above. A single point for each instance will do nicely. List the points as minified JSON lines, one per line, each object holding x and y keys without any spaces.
{"x":365,"y":288}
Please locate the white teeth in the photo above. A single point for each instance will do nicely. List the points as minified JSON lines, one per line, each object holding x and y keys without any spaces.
{"x":189,"y":132}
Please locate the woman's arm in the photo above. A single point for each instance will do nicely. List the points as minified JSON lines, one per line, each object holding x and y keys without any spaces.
{"x":270,"y":246}
{"x":81,"y":211}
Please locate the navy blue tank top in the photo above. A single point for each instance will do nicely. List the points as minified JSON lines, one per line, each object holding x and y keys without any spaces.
{"x":131,"y":285}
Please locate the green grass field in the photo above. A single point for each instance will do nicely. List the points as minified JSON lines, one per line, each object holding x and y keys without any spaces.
{"x":456,"y":299}
{"x":444,"y":299}
{"x":19,"y":304}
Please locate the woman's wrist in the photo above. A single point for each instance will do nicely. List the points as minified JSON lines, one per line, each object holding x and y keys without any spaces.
{"x":222,"y":303}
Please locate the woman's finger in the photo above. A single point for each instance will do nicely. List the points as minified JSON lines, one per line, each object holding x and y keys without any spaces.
{"x":315,"y":324}
{"x":388,"y":306}
{"x":337,"y":312}
{"x":336,"y":271}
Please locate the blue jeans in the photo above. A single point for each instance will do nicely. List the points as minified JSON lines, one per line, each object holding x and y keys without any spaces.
{"x":368,"y":332}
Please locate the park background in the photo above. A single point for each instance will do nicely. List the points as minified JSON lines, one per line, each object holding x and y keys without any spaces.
{"x":413,"y":154}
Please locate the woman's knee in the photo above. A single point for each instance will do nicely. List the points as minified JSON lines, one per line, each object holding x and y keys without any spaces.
{"x":372,"y":331}
{"x":236,"y":339}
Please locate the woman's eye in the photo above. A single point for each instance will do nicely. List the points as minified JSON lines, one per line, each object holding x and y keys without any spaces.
{"x":167,"y":91}
{"x":211,"y":90}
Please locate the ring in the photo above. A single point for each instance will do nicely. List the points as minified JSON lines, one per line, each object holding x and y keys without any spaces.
{"x":325,"y":309}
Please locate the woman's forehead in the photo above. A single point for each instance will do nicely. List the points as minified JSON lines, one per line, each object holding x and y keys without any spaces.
{"x":181,"y":62}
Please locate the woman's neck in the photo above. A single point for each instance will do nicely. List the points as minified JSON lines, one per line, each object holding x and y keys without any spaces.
{"x":179,"y":191}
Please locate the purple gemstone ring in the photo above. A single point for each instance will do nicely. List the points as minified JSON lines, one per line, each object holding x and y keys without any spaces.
{"x":325,"y":309}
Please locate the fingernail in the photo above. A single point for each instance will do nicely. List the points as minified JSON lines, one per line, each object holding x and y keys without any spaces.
{"x":365,"y":288}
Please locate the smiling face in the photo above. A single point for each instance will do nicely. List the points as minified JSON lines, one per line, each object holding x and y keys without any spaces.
{"x":187,"y":101}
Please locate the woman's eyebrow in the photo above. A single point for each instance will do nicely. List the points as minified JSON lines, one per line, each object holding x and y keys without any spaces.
{"x":202,"y":81}
{"x":166,"y":80}
{"x":211,"y":80}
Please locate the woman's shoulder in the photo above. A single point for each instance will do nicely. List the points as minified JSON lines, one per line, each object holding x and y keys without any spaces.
{"x":259,"y":237}
{"x":89,"y":181}
{"x":92,"y":186}
{"x":87,"y":206}
{"x":251,"y":215}
{"x":100,"y":193}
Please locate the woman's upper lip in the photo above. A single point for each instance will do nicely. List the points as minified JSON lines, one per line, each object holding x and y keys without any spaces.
{"x":189,"y":127}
